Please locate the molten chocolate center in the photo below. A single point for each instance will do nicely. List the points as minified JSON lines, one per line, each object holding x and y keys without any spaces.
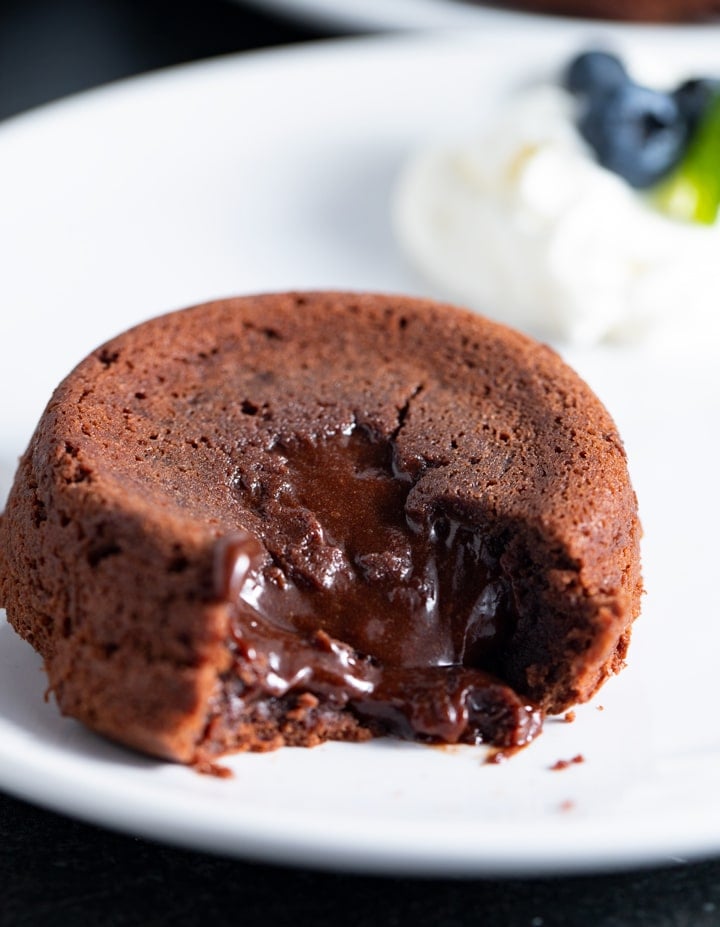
{"x":345,"y":596}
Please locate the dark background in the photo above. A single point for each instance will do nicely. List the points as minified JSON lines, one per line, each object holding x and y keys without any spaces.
{"x":55,"y":871}
{"x":51,"y":48}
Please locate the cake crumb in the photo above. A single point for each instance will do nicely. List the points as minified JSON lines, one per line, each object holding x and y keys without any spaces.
{"x":567,"y":805}
{"x":601,"y":708}
{"x":207,"y":767}
{"x":563,"y":764}
{"x":570,"y":716}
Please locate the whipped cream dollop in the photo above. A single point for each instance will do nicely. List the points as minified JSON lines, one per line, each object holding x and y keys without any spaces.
{"x":524,"y":225}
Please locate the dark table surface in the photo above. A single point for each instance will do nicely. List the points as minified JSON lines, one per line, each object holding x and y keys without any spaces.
{"x":58,"y":871}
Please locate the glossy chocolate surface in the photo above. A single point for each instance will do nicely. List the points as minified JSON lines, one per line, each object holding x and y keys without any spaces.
{"x":359,"y":604}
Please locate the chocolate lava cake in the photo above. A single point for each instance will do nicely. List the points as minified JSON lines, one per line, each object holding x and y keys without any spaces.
{"x":283,"y":519}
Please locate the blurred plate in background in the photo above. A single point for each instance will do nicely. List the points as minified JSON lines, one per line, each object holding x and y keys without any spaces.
{"x":373,"y":15}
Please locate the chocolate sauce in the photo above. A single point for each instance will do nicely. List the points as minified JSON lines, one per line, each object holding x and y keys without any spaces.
{"x":341,"y":594}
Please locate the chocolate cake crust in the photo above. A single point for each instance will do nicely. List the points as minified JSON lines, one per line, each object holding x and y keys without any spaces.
{"x":293,"y":517}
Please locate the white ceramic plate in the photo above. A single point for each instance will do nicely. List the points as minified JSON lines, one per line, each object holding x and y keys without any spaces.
{"x":273,"y":171}
{"x":405,"y":14}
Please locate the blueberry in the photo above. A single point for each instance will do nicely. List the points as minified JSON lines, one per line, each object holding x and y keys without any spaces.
{"x":594,"y":71}
{"x":693,"y":97}
{"x":635,"y":132}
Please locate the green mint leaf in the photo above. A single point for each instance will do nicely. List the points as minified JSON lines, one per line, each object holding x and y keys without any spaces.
{"x":692,"y":191}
